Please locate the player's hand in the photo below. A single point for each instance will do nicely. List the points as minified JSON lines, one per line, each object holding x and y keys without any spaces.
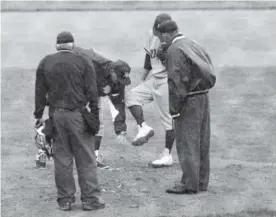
{"x":38,"y":123}
{"x":162,"y":52}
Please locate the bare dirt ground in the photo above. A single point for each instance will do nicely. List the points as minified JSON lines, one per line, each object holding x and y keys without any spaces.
{"x":243,"y":105}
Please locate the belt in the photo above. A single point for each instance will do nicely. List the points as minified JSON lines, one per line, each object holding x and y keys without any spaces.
{"x":197,"y":93}
{"x":66,"y":109}
{"x":191,"y":94}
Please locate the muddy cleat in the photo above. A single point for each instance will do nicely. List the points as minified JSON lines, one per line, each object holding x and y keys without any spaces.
{"x":65,"y":206}
{"x":89,"y":206}
{"x":99,"y":161}
{"x":122,"y":139}
{"x":145,"y":132}
{"x":164,"y":160}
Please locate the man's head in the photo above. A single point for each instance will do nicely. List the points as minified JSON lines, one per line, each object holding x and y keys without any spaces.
{"x":65,"y":41}
{"x":158,"y":20}
{"x":169,"y":30}
{"x":121,"y":72}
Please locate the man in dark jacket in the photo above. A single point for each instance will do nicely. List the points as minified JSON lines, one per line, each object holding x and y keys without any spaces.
{"x":112,"y":77}
{"x":190,"y":78}
{"x":68,"y":82}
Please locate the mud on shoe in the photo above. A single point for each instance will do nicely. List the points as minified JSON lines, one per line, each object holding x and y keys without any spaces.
{"x":145,"y":132}
{"x":164,"y":160}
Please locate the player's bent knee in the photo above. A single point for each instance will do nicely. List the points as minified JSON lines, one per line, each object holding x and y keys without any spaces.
{"x":130,"y":100}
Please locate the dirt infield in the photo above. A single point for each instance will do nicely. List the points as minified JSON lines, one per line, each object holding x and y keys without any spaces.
{"x":243,"y":150}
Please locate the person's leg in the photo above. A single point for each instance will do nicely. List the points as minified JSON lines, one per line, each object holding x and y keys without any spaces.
{"x":138,"y":114}
{"x":63,"y":162}
{"x":187,"y":128}
{"x":117,"y":109}
{"x":85,"y":160}
{"x":134,"y":100}
{"x":98,"y":137}
{"x":161,"y":98}
{"x":205,"y":148}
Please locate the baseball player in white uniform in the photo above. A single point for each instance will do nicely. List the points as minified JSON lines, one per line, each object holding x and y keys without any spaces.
{"x":154,"y":87}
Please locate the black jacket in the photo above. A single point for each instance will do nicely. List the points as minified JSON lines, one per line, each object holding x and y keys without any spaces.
{"x":65,"y":80}
{"x":189,"y":70}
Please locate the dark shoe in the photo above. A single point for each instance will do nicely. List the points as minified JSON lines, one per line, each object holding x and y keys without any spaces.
{"x":89,"y":206}
{"x":179,"y":189}
{"x":202,"y":189}
{"x":65,"y":206}
{"x":101,"y":165}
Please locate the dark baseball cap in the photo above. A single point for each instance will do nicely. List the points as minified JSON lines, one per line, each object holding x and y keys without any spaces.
{"x":160,"y":19}
{"x":65,"y":37}
{"x":168,"y":26}
{"x":122,"y":69}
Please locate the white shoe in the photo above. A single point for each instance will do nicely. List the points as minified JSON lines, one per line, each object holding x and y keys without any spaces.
{"x":164,"y":160}
{"x":145,"y":132}
{"x":99,"y":161}
{"x":122,"y":139}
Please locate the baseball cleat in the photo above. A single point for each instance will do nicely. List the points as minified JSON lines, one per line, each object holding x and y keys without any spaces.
{"x":145,"y":132}
{"x":165,"y":160}
{"x":101,"y":165}
{"x":99,"y":161}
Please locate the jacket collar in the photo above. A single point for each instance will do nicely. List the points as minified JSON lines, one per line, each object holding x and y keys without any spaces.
{"x":65,"y":50}
{"x":178,"y":37}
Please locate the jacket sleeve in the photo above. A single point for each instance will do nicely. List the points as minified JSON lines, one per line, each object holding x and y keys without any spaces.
{"x":178,"y":79}
{"x":41,"y":90}
{"x":90,"y":85}
{"x":102,"y":62}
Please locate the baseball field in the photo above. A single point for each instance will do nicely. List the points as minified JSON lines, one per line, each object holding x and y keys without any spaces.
{"x":243,"y":116}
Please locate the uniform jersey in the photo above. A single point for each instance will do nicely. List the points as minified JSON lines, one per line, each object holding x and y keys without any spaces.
{"x":152,"y":44}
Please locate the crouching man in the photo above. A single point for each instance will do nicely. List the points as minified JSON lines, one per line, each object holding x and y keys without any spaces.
{"x":112,"y":78}
{"x":189,"y":78}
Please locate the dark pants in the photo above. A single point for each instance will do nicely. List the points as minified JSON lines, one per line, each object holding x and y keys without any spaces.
{"x":119,"y":104}
{"x":72,"y":141}
{"x":192,"y":130}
